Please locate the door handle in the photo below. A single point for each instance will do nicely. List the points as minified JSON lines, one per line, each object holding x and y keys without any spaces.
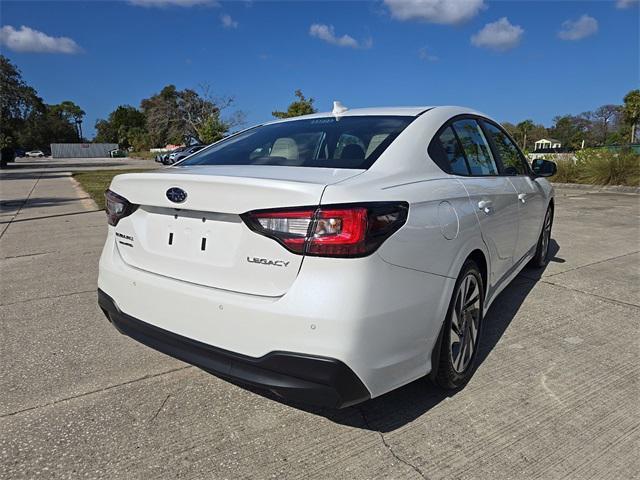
{"x":522,"y":197}
{"x":486,"y":206}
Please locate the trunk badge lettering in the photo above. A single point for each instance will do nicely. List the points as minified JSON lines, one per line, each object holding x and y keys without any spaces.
{"x":125,"y":237}
{"x":266,"y":261}
{"x":176,"y":195}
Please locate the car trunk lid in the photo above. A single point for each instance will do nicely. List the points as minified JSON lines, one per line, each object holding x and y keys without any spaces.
{"x":203,"y":240}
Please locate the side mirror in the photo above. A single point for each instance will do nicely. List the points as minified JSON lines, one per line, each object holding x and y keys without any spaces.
{"x":544,"y":168}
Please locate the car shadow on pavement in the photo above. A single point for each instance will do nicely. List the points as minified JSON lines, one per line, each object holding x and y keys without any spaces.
{"x":397,"y":408}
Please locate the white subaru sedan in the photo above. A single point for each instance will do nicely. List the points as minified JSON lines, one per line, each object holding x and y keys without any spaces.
{"x":328,"y":258}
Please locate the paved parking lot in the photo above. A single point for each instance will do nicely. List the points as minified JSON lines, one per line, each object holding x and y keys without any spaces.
{"x":556,"y":394}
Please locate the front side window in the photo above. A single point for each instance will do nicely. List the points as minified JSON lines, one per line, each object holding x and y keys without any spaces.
{"x":347,"y":142}
{"x":510,"y":157}
{"x":476,"y":148}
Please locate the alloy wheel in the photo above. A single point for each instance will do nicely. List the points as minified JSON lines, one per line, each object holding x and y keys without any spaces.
{"x":546,"y":235}
{"x":465,"y":323}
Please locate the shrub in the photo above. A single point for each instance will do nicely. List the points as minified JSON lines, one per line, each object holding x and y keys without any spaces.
{"x":605,"y":167}
{"x":568,"y":170}
{"x":599,"y":167}
{"x":144,"y":155}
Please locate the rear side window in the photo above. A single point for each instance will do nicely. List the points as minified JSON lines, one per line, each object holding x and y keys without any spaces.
{"x":453,"y":152}
{"x":512,"y":161}
{"x":475,"y":147}
{"x":347,"y":142}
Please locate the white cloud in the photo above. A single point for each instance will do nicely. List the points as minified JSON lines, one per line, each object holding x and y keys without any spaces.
{"x":447,"y":12}
{"x":327,"y":33}
{"x":425,"y":54}
{"x":578,"y":29}
{"x":173,"y":3}
{"x":28,"y":40}
{"x":228,"y":22}
{"x":626,"y":3}
{"x":499,"y":35}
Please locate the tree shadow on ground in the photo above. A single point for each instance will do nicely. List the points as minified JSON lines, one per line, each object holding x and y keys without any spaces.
{"x":79,"y":165}
{"x":19,"y":175}
{"x":24,"y":204}
{"x":403,"y":405}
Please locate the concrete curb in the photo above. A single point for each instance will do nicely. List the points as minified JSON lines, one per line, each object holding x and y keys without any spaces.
{"x":599,"y":188}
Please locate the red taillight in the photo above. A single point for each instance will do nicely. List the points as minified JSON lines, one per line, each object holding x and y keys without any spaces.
{"x":331,"y":231}
{"x":117,"y":207}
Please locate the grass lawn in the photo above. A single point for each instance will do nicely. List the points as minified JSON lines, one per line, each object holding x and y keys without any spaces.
{"x":97,"y":181}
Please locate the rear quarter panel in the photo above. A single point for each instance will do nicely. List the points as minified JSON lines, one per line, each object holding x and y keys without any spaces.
{"x":441,"y":229}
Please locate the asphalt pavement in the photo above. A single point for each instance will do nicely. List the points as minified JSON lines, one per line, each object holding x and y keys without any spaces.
{"x":556,"y":394}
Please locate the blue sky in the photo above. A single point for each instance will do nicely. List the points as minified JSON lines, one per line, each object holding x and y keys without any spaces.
{"x":390,"y":52}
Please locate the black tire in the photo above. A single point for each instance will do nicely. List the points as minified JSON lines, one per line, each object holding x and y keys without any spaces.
{"x":541,"y":257}
{"x":453,"y":373}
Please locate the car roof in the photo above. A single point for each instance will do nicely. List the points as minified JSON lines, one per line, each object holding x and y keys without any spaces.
{"x":359,"y":112}
{"x":380,"y":111}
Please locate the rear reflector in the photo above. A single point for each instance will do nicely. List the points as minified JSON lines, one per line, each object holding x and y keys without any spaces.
{"x":352,"y":230}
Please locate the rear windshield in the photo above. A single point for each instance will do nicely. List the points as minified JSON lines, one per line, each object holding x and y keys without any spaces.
{"x":347,"y":142}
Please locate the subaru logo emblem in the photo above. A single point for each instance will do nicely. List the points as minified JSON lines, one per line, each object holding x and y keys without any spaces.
{"x":176,"y":195}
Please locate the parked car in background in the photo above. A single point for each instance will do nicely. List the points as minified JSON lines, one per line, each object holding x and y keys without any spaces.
{"x":166,"y":157}
{"x":118,"y":153}
{"x":181,"y":153}
{"x":170,"y":158}
{"x":34,"y":154}
{"x":328,"y":258}
{"x":186,"y":152}
{"x":161,"y":157}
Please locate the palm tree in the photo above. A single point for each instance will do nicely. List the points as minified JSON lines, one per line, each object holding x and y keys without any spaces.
{"x":523,"y":128}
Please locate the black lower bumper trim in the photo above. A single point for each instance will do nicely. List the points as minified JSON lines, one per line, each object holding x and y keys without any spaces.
{"x":297,"y":377}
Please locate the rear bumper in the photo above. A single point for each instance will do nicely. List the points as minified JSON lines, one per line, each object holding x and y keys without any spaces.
{"x":378,"y":319}
{"x":298,"y":377}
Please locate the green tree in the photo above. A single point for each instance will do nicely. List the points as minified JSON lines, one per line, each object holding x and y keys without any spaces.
{"x":572,"y":130}
{"x":301,"y":106}
{"x":537,"y":132}
{"x":510,"y":128}
{"x":202,"y":112}
{"x":211,"y":129}
{"x":138,"y":138}
{"x":523,"y":129}
{"x":163,"y":120}
{"x":605,"y":119}
{"x":526,"y":132}
{"x":18,"y":101}
{"x":123,"y":125}
{"x":176,"y":116}
{"x":44,"y":127}
{"x":71,"y":113}
{"x":26,"y":121}
{"x":631,"y":112}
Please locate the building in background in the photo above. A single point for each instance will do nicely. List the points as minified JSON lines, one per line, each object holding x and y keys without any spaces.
{"x":82,"y":150}
{"x":547,"y":143}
